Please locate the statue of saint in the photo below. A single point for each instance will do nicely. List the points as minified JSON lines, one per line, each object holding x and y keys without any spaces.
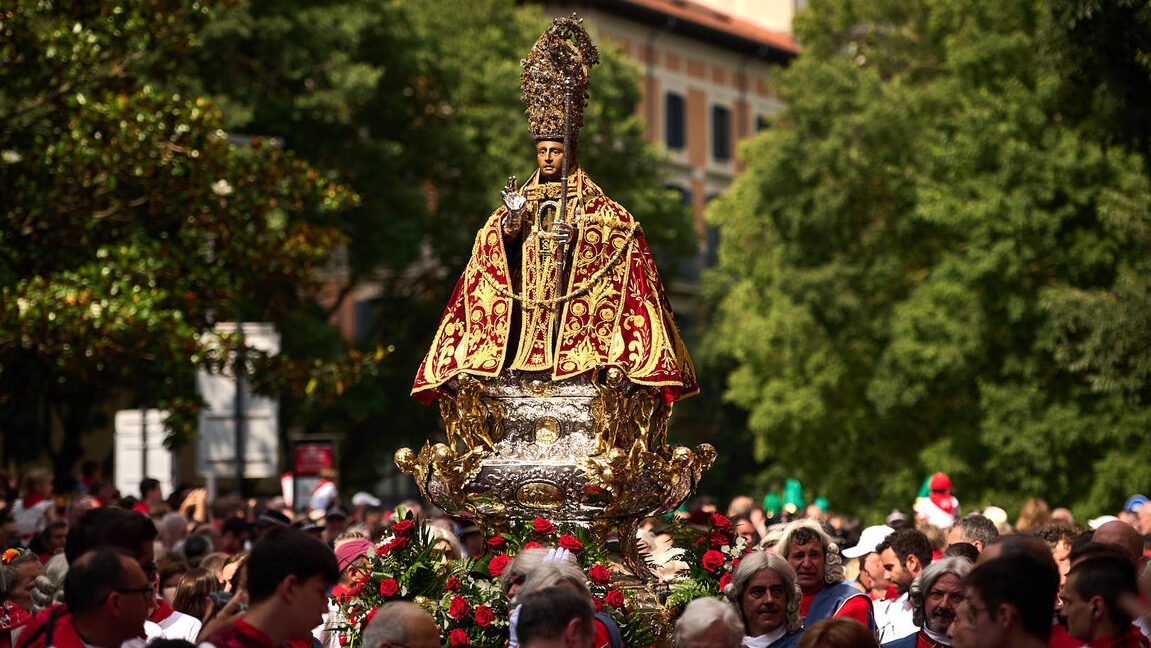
{"x":560,"y":278}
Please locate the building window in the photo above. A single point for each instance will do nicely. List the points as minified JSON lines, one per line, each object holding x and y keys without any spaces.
{"x":675,"y":116}
{"x":720,"y":133}
{"x":762,"y":123}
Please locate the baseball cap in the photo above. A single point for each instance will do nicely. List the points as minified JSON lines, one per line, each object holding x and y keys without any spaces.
{"x":364,"y":498}
{"x":868,"y":540}
{"x":1134,"y":503}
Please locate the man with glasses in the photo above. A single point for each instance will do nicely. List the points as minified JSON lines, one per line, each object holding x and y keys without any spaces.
{"x":1007,"y":603}
{"x":401,"y":625}
{"x":107,"y":597}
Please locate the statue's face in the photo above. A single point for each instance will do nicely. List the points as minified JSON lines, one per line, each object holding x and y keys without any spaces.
{"x":550,"y":158}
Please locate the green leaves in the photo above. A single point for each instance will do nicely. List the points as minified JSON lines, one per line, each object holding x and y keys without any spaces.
{"x":131,"y":222}
{"x":914,"y":265}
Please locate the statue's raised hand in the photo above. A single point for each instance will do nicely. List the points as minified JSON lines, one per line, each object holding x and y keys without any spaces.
{"x":514,"y":201}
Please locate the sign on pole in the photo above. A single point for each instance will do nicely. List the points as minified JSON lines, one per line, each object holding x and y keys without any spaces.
{"x":139,"y":451}
{"x":216,"y":447}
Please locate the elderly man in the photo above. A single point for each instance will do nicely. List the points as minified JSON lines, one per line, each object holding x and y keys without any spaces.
{"x":935,"y":596}
{"x":708,"y":623}
{"x":905,"y":554}
{"x":764,"y":591}
{"x":1121,"y":534}
{"x":819,"y":572}
{"x":556,"y":617}
{"x":399,"y":624}
{"x":974,"y":529}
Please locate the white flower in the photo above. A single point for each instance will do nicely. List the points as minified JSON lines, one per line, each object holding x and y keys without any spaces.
{"x":10,"y":156}
{"x":221,"y":187}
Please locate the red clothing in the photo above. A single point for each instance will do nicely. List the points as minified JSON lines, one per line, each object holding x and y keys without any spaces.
{"x":923,"y":641}
{"x":602,"y":638}
{"x":856,"y":607}
{"x":51,"y":627}
{"x":242,"y":634}
{"x":1061,"y":639}
{"x":12,"y":616}
{"x":162,"y":611}
{"x":141,"y":507}
{"x":1133,"y":638}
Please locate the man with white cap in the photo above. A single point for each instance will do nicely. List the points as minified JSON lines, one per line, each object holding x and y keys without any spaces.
{"x":872,"y":575}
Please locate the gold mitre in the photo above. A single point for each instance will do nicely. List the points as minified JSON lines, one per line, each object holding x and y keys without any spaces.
{"x":557,"y":63}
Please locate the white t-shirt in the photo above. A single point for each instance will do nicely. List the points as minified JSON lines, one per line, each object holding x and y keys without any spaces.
{"x":897,"y":621}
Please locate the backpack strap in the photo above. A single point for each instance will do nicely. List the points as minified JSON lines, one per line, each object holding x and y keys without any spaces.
{"x":46,"y":630}
{"x":612,"y":629}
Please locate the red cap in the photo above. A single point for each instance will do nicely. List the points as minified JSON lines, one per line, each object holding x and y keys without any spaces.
{"x":940,"y":481}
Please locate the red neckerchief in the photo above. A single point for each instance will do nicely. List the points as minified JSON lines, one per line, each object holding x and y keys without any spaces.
{"x":943,"y":501}
{"x":12,"y":616}
{"x":252,"y":632}
{"x":162,"y":611}
{"x":32,"y":499}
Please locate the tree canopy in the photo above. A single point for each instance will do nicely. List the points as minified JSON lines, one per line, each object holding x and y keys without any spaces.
{"x":909,"y":260}
{"x":130,"y":223}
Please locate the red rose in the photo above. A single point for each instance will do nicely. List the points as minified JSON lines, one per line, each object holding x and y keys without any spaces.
{"x":724,"y":580}
{"x":712,"y":560}
{"x":599,"y":575}
{"x":402,"y":527}
{"x":542,"y":526}
{"x":598,"y":604}
{"x":458,"y":637}
{"x":720,"y":521}
{"x":533,"y":545}
{"x":570,"y":543}
{"x":614,"y":598}
{"x":453,"y":584}
{"x":497,"y":542}
{"x":719,"y":539}
{"x":498,"y":564}
{"x":388,"y":588}
{"x":459,"y":608}
{"x":484,"y":615}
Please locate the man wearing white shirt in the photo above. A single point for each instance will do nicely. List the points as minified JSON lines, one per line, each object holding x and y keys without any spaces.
{"x":905,"y":554}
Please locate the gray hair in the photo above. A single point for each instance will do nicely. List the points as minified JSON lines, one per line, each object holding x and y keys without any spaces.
{"x":803,"y":530}
{"x":701,"y":614}
{"x":549,"y":574}
{"x":521,"y":565}
{"x":752,"y":564}
{"x":438,"y":533}
{"x":955,"y":565}
{"x":48,"y":588}
{"x":390,"y":624}
{"x":9,"y":573}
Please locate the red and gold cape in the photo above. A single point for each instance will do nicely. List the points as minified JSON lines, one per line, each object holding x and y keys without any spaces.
{"x":614,"y":312}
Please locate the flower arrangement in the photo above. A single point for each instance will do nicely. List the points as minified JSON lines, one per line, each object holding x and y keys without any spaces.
{"x":710,"y":554}
{"x":465,"y":599}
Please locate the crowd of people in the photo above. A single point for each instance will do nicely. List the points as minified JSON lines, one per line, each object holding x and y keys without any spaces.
{"x":90,"y":569}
